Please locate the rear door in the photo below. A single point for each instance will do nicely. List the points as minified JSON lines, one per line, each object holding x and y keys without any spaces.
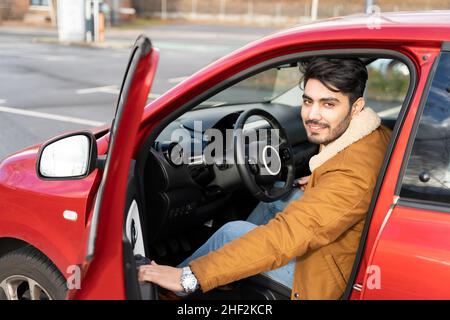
{"x":103,"y":267}
{"x":411,"y":259}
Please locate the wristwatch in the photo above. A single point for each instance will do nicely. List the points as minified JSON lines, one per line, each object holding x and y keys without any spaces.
{"x":188,"y":280}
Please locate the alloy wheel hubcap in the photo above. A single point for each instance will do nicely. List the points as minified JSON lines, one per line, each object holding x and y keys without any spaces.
{"x":19,"y":287}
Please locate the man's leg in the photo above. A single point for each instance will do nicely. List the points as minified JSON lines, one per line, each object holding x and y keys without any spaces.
{"x":283,"y":275}
{"x":235,"y":229}
{"x":265,"y":211}
{"x":225,"y":234}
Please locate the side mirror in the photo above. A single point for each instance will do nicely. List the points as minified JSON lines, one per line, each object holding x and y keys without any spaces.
{"x":72,"y":156}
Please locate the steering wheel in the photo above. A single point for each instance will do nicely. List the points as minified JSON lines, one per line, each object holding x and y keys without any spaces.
{"x":262,"y":165}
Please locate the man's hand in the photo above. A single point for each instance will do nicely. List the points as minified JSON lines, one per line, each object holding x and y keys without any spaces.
{"x":302,"y":182}
{"x":164,"y":276}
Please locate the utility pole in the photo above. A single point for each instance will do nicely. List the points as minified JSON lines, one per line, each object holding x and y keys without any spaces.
{"x":369,"y":6}
{"x":79,"y":21}
{"x":71,"y":20}
{"x":314,"y":9}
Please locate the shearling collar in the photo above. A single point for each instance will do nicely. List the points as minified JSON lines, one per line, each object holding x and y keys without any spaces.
{"x":360,"y":126}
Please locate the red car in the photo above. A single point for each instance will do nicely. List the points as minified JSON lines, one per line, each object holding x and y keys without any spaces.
{"x":77,"y":210}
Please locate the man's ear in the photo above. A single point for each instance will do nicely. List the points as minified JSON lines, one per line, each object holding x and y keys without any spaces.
{"x":357,"y":106}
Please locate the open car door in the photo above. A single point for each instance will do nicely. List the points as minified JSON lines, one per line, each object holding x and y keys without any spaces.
{"x":106,"y":244}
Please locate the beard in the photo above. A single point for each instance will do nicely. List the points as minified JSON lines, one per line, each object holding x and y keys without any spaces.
{"x":334,"y":134}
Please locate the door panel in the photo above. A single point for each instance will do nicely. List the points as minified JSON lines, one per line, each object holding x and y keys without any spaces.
{"x":413,"y":256}
{"x":103,"y":266}
{"x":411,"y":259}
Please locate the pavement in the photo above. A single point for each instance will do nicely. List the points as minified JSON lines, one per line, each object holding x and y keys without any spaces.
{"x":50,"y":88}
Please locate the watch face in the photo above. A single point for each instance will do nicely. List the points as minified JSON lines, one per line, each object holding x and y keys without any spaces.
{"x":189,"y":282}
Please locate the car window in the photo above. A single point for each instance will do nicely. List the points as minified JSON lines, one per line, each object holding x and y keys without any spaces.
{"x":386,"y":87}
{"x":385,"y":92}
{"x":427,"y":175}
{"x":264,"y":86}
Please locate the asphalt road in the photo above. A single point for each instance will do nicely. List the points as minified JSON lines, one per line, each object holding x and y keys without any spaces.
{"x":48,"y":89}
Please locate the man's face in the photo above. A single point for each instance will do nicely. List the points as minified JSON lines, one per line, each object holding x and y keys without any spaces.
{"x":326,"y":114}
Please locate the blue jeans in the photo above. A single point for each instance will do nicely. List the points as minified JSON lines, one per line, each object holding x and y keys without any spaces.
{"x":235,"y":229}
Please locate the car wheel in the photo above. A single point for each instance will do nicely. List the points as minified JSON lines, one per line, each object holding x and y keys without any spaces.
{"x":26,"y":274}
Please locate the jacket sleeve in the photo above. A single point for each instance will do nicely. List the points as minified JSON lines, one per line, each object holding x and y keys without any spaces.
{"x":339,"y":200}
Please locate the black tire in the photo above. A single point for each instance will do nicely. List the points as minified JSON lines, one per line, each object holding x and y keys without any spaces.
{"x":31,"y":263}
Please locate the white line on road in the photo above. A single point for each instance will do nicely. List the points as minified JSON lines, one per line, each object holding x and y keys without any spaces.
{"x":50,"y":116}
{"x":154,"y":95}
{"x":177,"y":79}
{"x":389,"y":112}
{"x":109,"y":89}
{"x":47,"y":57}
{"x":105,"y":89}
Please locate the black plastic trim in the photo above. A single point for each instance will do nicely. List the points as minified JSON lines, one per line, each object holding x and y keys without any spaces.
{"x":141,"y":47}
{"x":133,"y":289}
{"x":423,"y":205}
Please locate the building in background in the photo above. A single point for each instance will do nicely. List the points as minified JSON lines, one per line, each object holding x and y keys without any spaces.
{"x":262,"y":12}
{"x":42,"y":12}
{"x":273,"y":11}
{"x":29,"y":11}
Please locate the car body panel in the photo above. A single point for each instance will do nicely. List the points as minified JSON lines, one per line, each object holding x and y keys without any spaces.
{"x":32,"y":210}
{"x":413,"y":256}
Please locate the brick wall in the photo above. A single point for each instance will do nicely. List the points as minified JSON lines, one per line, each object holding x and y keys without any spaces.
{"x":13,"y":9}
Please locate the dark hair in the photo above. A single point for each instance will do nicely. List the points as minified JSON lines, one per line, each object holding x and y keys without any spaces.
{"x":346,"y":75}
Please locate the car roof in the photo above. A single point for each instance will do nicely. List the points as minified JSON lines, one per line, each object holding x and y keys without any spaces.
{"x":415,"y":26}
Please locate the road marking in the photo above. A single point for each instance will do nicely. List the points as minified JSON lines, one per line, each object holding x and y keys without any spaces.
{"x":105,"y":89}
{"x":154,"y":95}
{"x":177,"y":79}
{"x":2,"y":101}
{"x":47,"y":57}
{"x":50,"y":116}
{"x":389,"y":112}
{"x":111,"y":90}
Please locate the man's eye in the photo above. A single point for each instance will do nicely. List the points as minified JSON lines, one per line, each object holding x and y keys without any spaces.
{"x":329,"y":105}
{"x":306,"y":102}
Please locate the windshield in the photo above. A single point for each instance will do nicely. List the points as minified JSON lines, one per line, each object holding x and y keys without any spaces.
{"x":262,"y":87}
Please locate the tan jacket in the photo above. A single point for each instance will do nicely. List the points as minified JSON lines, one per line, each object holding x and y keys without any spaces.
{"x":321,"y":230}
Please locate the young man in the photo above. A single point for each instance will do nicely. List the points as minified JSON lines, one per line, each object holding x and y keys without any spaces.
{"x":310,"y":246}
